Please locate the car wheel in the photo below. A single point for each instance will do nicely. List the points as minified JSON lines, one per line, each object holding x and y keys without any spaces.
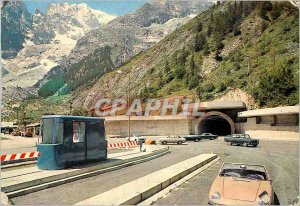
{"x":245,"y":144}
{"x":255,"y":145}
{"x":164,"y":142}
{"x":196,"y":140}
{"x":230,"y":143}
{"x":179,"y":142}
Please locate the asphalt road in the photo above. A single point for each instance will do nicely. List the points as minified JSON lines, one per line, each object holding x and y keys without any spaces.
{"x":280,"y":157}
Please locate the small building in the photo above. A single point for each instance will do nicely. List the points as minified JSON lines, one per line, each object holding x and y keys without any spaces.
{"x":34,"y":128}
{"x":278,"y":122}
{"x":8,"y":127}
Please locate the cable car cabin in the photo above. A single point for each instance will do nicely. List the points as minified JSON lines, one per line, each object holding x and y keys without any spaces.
{"x":71,"y":140}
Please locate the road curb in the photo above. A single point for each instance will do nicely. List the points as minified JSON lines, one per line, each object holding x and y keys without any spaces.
{"x":171,"y":187}
{"x":136,"y":191}
{"x":52,"y":181}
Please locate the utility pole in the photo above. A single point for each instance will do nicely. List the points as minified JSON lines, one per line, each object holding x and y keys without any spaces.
{"x":128,"y":97}
{"x":71,"y":107}
{"x":128,"y":100}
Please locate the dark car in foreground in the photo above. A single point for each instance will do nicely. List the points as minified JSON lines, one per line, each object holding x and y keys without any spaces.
{"x":198,"y":137}
{"x":241,"y":139}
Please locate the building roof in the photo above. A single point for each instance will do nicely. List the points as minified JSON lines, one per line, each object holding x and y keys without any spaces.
{"x":270,"y":111}
{"x":136,"y":118}
{"x":34,"y":125}
{"x":8,"y":124}
{"x":72,"y":117}
{"x":202,"y":106}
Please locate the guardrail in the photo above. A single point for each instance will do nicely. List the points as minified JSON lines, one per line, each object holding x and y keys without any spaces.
{"x":18,"y":157}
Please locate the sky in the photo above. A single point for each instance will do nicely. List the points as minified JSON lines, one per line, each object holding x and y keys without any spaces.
{"x":117,"y":7}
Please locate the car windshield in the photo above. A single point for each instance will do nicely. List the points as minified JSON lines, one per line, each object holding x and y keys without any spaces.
{"x":245,"y":136}
{"x":244,"y":173}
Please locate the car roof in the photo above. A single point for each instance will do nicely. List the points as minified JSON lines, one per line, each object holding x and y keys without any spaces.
{"x":259,"y":168}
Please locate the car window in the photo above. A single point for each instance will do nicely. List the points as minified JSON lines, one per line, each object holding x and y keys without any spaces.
{"x":241,"y":173}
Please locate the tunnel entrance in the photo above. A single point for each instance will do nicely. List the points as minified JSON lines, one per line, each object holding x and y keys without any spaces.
{"x":216,"y":123}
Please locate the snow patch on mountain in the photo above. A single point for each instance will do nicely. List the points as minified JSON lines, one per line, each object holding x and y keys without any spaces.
{"x":103,"y":17}
{"x":50,"y":39}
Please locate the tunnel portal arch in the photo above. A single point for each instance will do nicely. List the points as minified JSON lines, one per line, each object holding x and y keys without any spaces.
{"x":215,"y":122}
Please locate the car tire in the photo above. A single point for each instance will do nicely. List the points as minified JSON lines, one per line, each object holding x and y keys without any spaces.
{"x":255,"y":145}
{"x":230,"y":143}
{"x":245,"y":144}
{"x":179,"y":142}
{"x":196,"y":140}
{"x":164,"y":142}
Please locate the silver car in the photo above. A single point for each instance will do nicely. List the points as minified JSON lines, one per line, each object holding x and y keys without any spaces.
{"x":172,"y":139}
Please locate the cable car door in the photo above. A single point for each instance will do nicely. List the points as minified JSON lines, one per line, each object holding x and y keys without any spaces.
{"x":79,"y":141}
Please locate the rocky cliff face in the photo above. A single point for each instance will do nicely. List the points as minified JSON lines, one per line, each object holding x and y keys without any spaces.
{"x":16,"y":21}
{"x":42,"y":41}
{"x":67,"y":39}
{"x":131,"y":34}
{"x":34,"y":45}
{"x":246,"y":63}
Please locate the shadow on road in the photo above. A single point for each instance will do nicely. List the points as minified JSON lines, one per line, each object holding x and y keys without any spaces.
{"x":276,"y":200}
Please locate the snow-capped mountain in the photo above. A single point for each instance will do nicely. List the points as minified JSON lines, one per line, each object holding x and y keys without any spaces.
{"x":45,"y":39}
{"x":79,"y":43}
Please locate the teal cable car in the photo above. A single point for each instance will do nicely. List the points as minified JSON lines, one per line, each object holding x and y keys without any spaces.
{"x":71,"y":140}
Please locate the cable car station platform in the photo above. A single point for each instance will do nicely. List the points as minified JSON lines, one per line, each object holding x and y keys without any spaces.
{"x":27,"y":180}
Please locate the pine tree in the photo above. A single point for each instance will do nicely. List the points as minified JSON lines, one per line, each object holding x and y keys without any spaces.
{"x":167,"y":67}
{"x":192,"y":66}
{"x":199,"y":42}
{"x":275,"y":13}
{"x":199,"y":27}
{"x":209,"y":30}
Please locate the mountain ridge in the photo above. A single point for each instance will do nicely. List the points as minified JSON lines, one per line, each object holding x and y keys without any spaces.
{"x":239,"y":57}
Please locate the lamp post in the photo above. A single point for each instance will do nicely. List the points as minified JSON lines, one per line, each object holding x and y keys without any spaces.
{"x":17,"y":108}
{"x":128,"y":97}
{"x":70,"y":107}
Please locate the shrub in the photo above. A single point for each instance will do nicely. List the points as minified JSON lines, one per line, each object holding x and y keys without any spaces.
{"x":208,"y":87}
{"x":79,"y":111}
{"x":275,"y":86}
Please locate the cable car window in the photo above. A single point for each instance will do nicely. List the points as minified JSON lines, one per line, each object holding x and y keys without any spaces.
{"x":60,"y":133}
{"x":78,"y":131}
{"x":47,"y":131}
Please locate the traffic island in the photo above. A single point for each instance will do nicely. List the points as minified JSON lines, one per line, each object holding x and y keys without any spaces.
{"x":28,"y":180}
{"x":139,"y":190}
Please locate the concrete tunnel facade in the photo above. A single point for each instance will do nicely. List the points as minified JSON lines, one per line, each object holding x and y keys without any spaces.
{"x":215,"y":122}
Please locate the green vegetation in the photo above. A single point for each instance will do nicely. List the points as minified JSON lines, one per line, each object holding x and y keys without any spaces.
{"x":33,"y":109}
{"x":51,"y":87}
{"x":78,"y":111}
{"x":90,"y":68}
{"x":264,"y":63}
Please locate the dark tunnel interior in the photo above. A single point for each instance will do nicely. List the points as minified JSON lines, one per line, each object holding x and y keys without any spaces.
{"x":216,"y":125}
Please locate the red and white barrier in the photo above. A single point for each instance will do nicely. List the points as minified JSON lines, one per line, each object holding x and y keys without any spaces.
{"x":19,"y":156}
{"x":122,"y":144}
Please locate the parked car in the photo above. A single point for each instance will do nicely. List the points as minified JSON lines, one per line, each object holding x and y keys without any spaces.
{"x":16,"y":133}
{"x":208,"y":136}
{"x":241,"y":184}
{"x":198,"y":137}
{"x":241,"y":139}
{"x":138,"y":139}
{"x":26,"y":133}
{"x":172,"y":139}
